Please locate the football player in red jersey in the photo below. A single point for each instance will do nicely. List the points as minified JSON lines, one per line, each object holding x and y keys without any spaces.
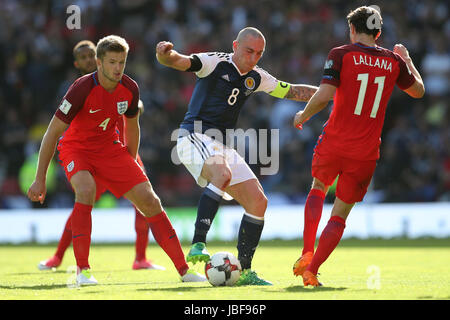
{"x":360,"y":76}
{"x":84,"y":61}
{"x":91,"y":153}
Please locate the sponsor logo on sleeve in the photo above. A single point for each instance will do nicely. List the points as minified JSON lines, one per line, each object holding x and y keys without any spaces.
{"x":65,"y":107}
{"x":328,"y":64}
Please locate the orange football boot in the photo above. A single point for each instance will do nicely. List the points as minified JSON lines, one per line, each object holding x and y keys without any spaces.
{"x":302,"y":263}
{"x":310,"y":279}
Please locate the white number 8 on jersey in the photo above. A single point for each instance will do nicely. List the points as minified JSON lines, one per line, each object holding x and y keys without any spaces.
{"x":233,"y":96}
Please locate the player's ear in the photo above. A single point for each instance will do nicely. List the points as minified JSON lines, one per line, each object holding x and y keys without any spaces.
{"x":235,"y":45}
{"x":378,"y":35}
{"x":76,"y":65}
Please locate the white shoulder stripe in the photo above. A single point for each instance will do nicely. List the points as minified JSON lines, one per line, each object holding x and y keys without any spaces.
{"x":268,"y":82}
{"x":209,"y":61}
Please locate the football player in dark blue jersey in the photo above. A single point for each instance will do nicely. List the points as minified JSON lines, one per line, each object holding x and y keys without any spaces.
{"x":225,"y":82}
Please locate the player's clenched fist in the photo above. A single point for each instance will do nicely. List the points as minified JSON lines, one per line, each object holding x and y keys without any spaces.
{"x":167,"y":56}
{"x":163,"y":47}
{"x":299,"y":119}
{"x":37,"y":192}
{"x":401,"y":51}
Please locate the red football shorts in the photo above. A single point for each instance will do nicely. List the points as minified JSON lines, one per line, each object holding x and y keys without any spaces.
{"x":115,"y":171}
{"x":354,"y":175}
{"x":100,"y":189}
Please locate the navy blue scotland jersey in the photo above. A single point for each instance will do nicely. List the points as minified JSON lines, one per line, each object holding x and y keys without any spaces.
{"x":221,"y":91}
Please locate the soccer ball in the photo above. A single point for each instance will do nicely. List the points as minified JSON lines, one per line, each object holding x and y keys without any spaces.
{"x":223,"y":269}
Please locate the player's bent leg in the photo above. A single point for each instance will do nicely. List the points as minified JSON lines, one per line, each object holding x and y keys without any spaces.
{"x":145,"y":199}
{"x":142,"y":228}
{"x":251,"y":196}
{"x":84,"y":185}
{"x":341,"y":208}
{"x":329,"y":239}
{"x":217,"y":172}
{"x":319,"y":185}
{"x":312,"y":215}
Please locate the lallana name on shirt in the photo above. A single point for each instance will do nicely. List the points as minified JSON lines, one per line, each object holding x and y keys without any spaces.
{"x":372,"y":62}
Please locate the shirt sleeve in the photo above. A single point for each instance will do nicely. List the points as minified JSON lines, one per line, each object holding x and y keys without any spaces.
{"x":268,"y":82}
{"x":73,"y":100}
{"x":133,"y":109}
{"x":209,"y":61}
{"x":332,"y":69}
{"x":405,"y":78}
{"x":196,"y":64}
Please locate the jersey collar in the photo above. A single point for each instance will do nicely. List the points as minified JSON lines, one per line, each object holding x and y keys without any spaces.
{"x":95,"y":77}
{"x":232,"y":62}
{"x":364,"y":46}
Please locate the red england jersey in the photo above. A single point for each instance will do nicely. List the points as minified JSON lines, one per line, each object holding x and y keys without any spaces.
{"x":93,"y":113}
{"x":365,"y":78}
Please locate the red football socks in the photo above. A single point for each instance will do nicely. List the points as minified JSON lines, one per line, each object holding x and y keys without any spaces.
{"x":142,"y":228}
{"x":66,"y":239}
{"x":313,"y":213}
{"x":328,"y":241}
{"x":81,"y":233}
{"x":167,"y":239}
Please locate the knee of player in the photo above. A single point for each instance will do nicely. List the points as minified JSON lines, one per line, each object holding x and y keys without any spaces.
{"x":262,"y":201}
{"x":154,"y":204}
{"x":85,"y":193}
{"x":319,"y":185}
{"x":259,"y":204}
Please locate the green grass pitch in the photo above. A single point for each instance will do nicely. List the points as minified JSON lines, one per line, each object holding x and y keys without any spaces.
{"x":357,"y":270}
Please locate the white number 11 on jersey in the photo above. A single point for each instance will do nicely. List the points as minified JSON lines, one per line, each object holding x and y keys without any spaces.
{"x":364,"y":78}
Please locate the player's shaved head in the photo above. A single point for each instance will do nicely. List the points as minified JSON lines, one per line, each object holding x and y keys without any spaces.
{"x":248,"y":48}
{"x":84,"y":57}
{"x":249,"y":31}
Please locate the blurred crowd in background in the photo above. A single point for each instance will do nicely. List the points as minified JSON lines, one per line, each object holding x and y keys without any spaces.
{"x":36,"y":64}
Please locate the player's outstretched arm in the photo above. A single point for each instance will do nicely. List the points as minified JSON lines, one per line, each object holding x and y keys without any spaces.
{"x":171,"y":58}
{"x":317,"y":103}
{"x":417,"y":90}
{"x":296,"y":92}
{"x":37,"y":190}
{"x":301,"y":92}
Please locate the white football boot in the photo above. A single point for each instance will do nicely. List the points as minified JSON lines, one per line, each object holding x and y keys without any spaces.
{"x":192,"y":276}
{"x":85,"y":278}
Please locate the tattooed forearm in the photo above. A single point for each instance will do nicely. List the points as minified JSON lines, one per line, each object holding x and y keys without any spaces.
{"x":300,"y":92}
